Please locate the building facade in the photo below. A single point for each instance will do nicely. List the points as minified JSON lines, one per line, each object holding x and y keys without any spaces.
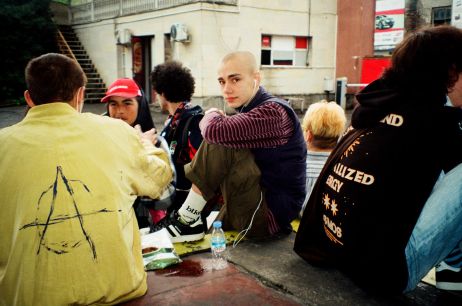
{"x":293,"y":40}
{"x":357,"y":26}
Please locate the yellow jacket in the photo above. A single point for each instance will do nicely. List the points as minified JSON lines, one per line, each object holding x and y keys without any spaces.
{"x":68,"y":233}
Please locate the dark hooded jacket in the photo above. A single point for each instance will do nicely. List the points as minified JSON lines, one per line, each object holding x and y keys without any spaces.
{"x":371,"y":191}
{"x":283,"y":168}
{"x":179,"y":139}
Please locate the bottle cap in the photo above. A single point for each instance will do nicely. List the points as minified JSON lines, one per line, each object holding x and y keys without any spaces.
{"x":216,"y":224}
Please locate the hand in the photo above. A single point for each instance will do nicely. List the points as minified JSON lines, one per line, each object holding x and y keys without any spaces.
{"x":150,"y":135}
{"x":216,"y":110}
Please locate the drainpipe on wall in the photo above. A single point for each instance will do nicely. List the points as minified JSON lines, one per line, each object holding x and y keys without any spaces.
{"x":412,"y":16}
{"x":309,"y":30}
{"x":92,"y":10}
{"x":309,"y":17}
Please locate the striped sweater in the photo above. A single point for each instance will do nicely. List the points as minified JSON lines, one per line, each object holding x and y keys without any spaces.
{"x":267,"y":125}
{"x":314,"y":163}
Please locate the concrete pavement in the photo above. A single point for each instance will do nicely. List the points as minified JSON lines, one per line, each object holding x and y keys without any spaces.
{"x":270,"y":273}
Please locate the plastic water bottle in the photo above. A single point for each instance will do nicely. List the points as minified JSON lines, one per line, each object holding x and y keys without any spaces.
{"x":218,"y":247}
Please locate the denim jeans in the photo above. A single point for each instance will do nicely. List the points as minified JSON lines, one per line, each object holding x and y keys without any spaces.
{"x":438,"y":229}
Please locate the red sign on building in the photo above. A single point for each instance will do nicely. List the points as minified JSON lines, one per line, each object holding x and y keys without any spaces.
{"x":373,"y":67}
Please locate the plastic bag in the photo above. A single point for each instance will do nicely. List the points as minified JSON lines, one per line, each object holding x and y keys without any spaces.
{"x":158,"y":250}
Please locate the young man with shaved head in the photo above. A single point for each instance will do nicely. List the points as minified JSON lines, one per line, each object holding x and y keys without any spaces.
{"x":254,"y":158}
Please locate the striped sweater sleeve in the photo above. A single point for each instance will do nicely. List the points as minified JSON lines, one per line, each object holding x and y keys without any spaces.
{"x":267,"y":125}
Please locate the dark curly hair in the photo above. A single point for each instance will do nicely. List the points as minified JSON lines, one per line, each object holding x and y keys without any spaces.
{"x":173,"y":80}
{"x":427,"y":63}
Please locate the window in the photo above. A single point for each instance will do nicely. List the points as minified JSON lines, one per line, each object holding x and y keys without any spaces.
{"x":284,"y":50}
{"x":441,"y":15}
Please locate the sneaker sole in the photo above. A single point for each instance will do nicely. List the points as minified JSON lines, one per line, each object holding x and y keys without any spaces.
{"x":449,"y":286}
{"x":188,"y":238}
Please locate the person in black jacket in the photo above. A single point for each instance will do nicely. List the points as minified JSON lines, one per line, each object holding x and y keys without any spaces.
{"x":173,"y":84}
{"x":368,"y":212}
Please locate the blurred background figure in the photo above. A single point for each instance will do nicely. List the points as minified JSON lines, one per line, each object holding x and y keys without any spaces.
{"x":323,"y":124}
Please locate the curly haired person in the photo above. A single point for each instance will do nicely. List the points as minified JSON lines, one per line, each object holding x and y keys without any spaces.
{"x":173,"y":84}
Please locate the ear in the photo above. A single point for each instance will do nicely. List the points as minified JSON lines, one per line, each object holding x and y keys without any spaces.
{"x":81,"y":98}
{"x":77,"y":100}
{"x":81,"y":93}
{"x":162,"y":98}
{"x":153,"y":96}
{"x":308,"y":136}
{"x":29,"y":101}
{"x":257,"y":77}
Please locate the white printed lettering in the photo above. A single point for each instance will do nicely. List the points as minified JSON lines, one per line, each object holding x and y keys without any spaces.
{"x":367,"y":179}
{"x":393,"y":119}
{"x":352,"y":175}
{"x":334,"y":183}
{"x":358,"y":176}
{"x":332,"y":226}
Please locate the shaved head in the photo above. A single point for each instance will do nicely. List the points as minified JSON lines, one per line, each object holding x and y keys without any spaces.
{"x":245,"y":58}
{"x":239,"y":78}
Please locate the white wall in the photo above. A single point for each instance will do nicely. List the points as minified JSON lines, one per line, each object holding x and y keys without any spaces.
{"x":99,"y":41}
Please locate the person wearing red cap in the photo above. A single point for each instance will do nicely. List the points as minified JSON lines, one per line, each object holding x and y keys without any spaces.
{"x":126,"y":101}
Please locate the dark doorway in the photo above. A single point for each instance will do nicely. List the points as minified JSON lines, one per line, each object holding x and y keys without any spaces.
{"x":141,"y":59}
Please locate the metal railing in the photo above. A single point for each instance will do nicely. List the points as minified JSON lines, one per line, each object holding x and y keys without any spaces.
{"x":64,"y":46}
{"x":95,"y":10}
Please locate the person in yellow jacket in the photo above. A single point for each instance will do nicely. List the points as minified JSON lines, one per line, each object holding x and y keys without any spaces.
{"x":68,"y":232}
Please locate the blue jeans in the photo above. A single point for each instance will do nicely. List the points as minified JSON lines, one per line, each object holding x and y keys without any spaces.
{"x":438,"y":229}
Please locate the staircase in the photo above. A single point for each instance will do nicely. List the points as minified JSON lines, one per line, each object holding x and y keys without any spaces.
{"x":70,"y":46}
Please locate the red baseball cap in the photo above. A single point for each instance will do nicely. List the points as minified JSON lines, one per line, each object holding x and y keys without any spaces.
{"x":126,"y":88}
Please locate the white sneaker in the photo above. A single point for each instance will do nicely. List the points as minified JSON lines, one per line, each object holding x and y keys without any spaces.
{"x":180,"y":232}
